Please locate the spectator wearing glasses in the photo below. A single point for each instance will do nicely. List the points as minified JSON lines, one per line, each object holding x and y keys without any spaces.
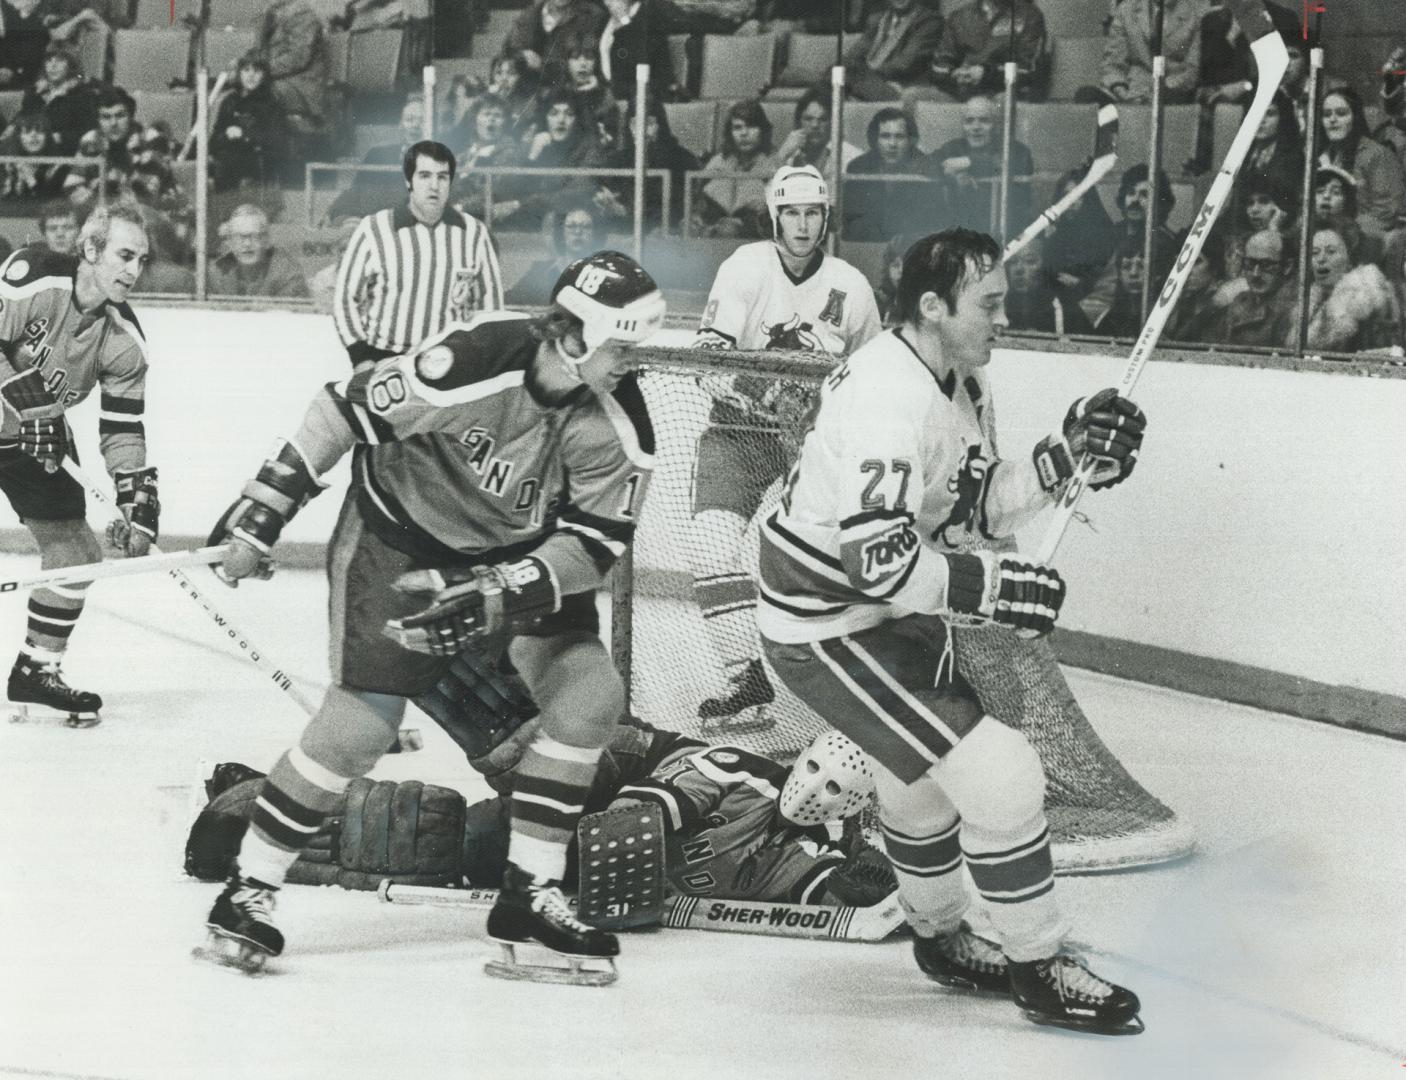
{"x":252,"y":266}
{"x":1263,"y":314}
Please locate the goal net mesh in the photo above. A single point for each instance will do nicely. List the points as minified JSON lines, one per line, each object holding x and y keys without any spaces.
{"x":1100,"y":817}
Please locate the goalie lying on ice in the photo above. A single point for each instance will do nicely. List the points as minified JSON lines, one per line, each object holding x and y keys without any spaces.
{"x":738,"y":826}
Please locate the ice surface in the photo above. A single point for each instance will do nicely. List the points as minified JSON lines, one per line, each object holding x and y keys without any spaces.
{"x":1276,"y":951}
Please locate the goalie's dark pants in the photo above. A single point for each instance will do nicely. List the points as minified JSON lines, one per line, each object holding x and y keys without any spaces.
{"x":952,"y":782}
{"x":734,"y":467}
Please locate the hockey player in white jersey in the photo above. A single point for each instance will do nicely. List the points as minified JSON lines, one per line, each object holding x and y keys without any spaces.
{"x":783,"y":293}
{"x":864,"y":567}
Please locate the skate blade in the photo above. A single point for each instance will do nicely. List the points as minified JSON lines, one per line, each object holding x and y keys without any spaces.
{"x":233,"y":953}
{"x":21,"y":713}
{"x":575,"y":973}
{"x":1133,"y":1026}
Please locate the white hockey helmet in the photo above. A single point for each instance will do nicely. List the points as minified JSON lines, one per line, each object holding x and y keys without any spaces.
{"x":832,"y":779}
{"x":796,"y":185}
{"x":613,"y":296}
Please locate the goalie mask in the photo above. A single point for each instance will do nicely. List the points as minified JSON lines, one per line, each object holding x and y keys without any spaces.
{"x":832,"y":779}
{"x":613,"y":296}
{"x":797,"y":186}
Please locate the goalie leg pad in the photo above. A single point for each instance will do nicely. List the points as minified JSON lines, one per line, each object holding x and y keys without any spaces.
{"x":622,"y":867}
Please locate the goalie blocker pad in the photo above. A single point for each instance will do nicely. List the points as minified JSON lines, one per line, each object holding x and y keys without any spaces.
{"x":621,"y":867}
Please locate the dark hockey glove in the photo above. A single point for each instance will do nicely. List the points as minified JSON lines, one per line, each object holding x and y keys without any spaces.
{"x":253,"y":523}
{"x":135,"y":531}
{"x":997,"y":588}
{"x":43,"y":435}
{"x":1108,"y":427}
{"x":473,"y":604}
{"x":866,"y":878}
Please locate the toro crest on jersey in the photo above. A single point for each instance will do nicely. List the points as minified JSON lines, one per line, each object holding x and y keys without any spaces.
{"x":613,"y":296}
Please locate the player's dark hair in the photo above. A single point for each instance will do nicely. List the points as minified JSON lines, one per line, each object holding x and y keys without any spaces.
{"x":887,"y":115}
{"x":435,"y":151}
{"x":944,"y":263}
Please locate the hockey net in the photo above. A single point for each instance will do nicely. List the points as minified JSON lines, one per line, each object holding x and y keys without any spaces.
{"x":1101,"y":818}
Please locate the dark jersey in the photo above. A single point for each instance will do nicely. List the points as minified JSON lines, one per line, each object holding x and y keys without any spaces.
{"x":42,"y":327}
{"x":725,"y":835}
{"x":460,"y":458}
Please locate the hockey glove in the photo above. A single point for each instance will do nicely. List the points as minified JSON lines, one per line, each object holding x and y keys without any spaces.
{"x":43,"y":434}
{"x":996,"y":588}
{"x":473,"y":604}
{"x":1108,"y":427}
{"x":866,"y":878}
{"x":135,"y":531}
{"x":252,"y":525}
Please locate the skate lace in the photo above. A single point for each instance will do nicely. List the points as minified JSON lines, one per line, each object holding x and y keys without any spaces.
{"x":257,"y":904}
{"x":1073,"y":980}
{"x":968,"y":948}
{"x":551,"y":903}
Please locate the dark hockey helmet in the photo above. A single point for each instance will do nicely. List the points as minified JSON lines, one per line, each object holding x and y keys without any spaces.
{"x":613,"y":296}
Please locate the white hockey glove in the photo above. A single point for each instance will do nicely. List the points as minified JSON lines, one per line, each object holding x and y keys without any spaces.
{"x":252,"y":525}
{"x":473,"y":604}
{"x":1106,"y":426}
{"x":997,"y":588}
{"x":43,"y":434}
{"x":135,"y":531}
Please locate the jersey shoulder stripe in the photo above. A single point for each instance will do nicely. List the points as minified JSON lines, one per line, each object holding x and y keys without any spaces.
{"x":35,"y":268}
{"x":126,"y":319}
{"x":491,"y":348}
{"x":625,"y":405}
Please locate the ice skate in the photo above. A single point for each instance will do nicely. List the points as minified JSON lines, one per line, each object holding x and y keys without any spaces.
{"x":964,"y":960}
{"x":38,"y":692}
{"x":742,"y":708}
{"x":1063,"y":992}
{"x":241,"y":930}
{"x":530,"y":912}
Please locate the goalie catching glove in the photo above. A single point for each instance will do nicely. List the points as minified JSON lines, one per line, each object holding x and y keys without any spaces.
{"x":135,"y":531}
{"x":43,"y":433}
{"x":1108,"y":427}
{"x":864,"y":879}
{"x":473,"y":604}
{"x":1000,"y":589}
{"x":252,"y":525}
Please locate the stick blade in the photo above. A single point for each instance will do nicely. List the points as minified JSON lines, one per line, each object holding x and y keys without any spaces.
{"x":1106,"y":137}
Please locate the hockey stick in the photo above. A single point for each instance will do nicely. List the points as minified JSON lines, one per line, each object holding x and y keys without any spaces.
{"x":111,"y":568}
{"x":1105,"y":157}
{"x":197,"y":596}
{"x":1271,"y":60}
{"x":813,"y":921}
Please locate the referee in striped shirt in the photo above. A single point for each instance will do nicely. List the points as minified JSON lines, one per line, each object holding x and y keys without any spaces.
{"x":410,"y":271}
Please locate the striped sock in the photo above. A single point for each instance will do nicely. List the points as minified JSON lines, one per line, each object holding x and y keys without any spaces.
{"x":549,"y":795}
{"x":1014,"y":872}
{"x":53,"y":613}
{"x":929,"y":872}
{"x":292,"y":803}
{"x":729,"y":606}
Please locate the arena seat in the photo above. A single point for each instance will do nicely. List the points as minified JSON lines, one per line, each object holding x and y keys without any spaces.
{"x":1060,"y":134}
{"x":809,"y":58}
{"x":369,"y":135}
{"x":693,"y":124}
{"x":488,"y":42}
{"x":225,"y":46}
{"x":150,"y":59}
{"x":151,"y":14}
{"x":1076,"y":62}
{"x":1179,"y":130}
{"x":736,"y":66}
{"x":857,"y":117}
{"x":174,"y":107}
{"x":1074,"y":18}
{"x":338,"y":52}
{"x":92,"y":48}
{"x":11,"y":101}
{"x":237,"y":13}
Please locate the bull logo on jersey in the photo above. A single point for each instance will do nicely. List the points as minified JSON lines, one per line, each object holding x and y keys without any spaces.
{"x":967,"y":485}
{"x":465,"y":295}
{"x":793,"y":334}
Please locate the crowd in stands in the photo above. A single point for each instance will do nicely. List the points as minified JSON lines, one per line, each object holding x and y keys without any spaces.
{"x":556,"y":92}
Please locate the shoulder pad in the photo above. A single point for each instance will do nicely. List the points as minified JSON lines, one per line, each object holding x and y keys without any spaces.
{"x":35,"y":262}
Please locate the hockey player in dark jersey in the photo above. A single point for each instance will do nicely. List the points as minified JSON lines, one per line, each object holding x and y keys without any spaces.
{"x":66,"y":327}
{"x":498,"y":472}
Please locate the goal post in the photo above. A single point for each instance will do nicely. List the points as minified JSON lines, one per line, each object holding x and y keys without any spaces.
{"x":1101,"y":818}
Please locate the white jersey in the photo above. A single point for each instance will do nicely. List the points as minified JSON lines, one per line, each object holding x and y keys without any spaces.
{"x":898,"y":467}
{"x":755,"y":303}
